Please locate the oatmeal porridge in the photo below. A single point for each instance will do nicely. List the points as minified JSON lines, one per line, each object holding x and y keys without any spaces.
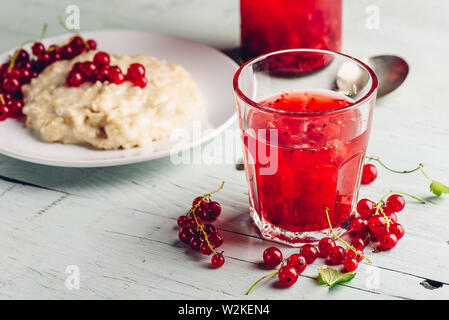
{"x":110,"y":116}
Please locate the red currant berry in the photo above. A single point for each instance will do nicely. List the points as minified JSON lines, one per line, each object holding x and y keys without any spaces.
{"x":135,"y":71}
{"x":15,"y":107}
{"x":209,"y":228}
{"x":350,"y":264}
{"x":386,"y":210}
{"x":298,"y":262}
{"x":92,"y":44}
{"x":196,"y":241}
{"x":44,"y":58}
{"x":395,"y":203}
{"x":115,"y":75}
{"x":102,"y":59}
{"x":11,"y":84}
{"x":55,"y":55}
{"x":23,"y":65}
{"x":358,"y":224}
{"x":398,"y":230}
{"x":216,"y":239}
{"x":388,"y":241}
{"x":204,"y":248}
{"x":25,"y":76}
{"x":77,"y":42}
{"x":88,"y":69}
{"x":369,"y":173}
{"x":67,"y":52}
{"x":288,"y":275}
{"x":217,"y":260}
{"x":272,"y":257}
{"x":366,"y":208}
{"x":37,"y":48}
{"x":22,"y":56}
{"x":74,"y":79}
{"x":183,"y":221}
{"x":185,"y":234}
{"x":4,"y":112}
{"x":324,"y":245}
{"x":140,"y":82}
{"x":212,"y":211}
{"x":377,"y":224}
{"x":198,"y":199}
{"x":358,"y":243}
{"x":309,"y":252}
{"x":103,"y":73}
{"x":13,"y":73}
{"x":337,"y":254}
{"x":352,"y":255}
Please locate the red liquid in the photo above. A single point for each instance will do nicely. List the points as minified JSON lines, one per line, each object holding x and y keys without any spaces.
{"x":271,"y":25}
{"x":319,"y":159}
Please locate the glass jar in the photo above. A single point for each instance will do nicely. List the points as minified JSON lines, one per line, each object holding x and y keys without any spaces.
{"x":271,"y":25}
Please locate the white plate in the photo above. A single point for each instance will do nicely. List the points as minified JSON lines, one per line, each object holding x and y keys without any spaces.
{"x":211,"y":69}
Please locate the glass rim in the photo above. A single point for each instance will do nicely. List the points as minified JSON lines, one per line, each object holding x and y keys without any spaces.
{"x":259,"y":106}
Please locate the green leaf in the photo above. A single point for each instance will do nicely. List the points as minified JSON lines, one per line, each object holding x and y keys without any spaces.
{"x":438,"y":188}
{"x":332,"y":277}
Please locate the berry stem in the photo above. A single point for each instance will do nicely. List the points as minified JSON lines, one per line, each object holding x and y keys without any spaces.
{"x":2,"y":100}
{"x":326,"y":209}
{"x":418,"y":168}
{"x":425,"y":174}
{"x":211,"y":193}
{"x":377,"y":159}
{"x":264,"y":277}
{"x":401,"y":192}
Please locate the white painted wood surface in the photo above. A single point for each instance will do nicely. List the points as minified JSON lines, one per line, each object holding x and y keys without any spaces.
{"x":118,"y":224}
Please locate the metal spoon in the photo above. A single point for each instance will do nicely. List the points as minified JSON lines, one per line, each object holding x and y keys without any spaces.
{"x":390,"y":70}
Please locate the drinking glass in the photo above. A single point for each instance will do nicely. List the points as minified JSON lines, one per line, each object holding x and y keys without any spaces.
{"x":304,"y":141}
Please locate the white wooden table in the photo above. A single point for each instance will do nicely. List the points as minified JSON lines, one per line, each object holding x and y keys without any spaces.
{"x":117,"y":225}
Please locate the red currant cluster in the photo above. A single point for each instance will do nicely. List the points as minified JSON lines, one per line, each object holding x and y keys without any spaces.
{"x":292,"y":267}
{"x":375,"y":224}
{"x":198,"y":231}
{"x":21,"y":68}
{"x":100,"y":70}
{"x":378,"y":223}
{"x":327,"y":248}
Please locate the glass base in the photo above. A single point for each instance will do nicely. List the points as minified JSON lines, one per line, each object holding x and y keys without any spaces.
{"x":294,"y":239}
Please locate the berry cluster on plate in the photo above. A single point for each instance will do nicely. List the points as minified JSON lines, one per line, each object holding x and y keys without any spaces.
{"x":24,"y":66}
{"x":100,"y":69}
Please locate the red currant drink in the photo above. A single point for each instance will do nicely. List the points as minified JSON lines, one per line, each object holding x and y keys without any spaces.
{"x":271,"y":25}
{"x":303,"y":149}
{"x":319,"y":169}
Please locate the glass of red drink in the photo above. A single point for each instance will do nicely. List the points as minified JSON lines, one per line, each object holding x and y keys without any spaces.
{"x":272,"y":25}
{"x":304,"y":142}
